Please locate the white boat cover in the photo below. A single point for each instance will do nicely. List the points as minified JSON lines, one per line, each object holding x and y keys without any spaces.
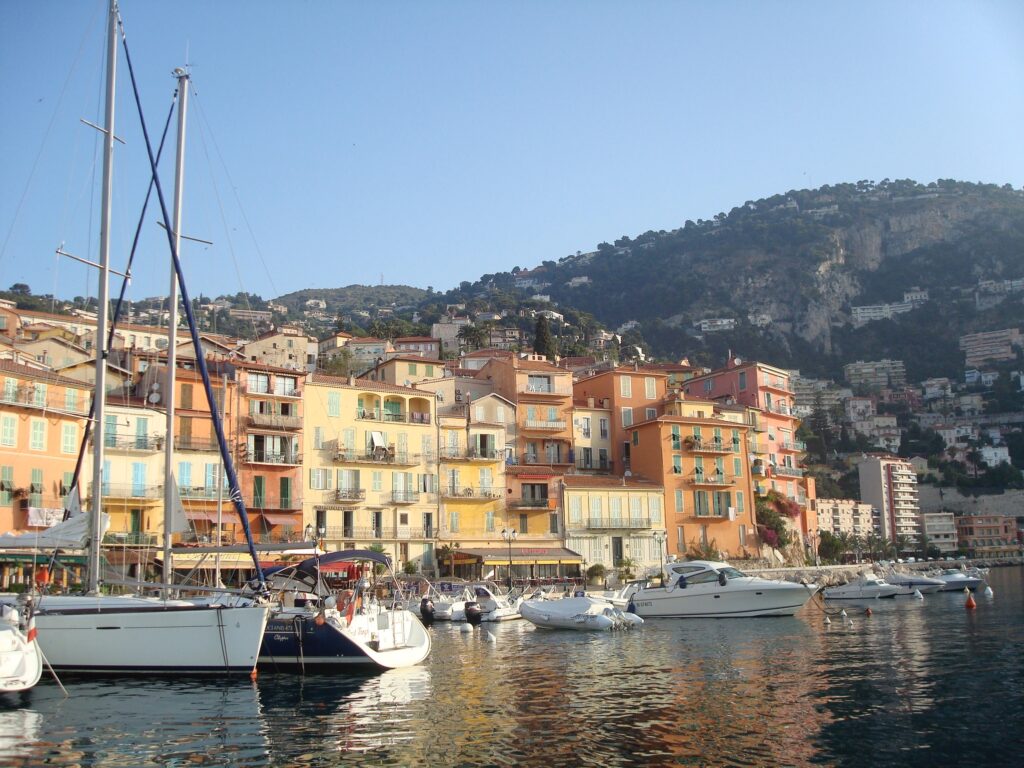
{"x":73,"y":533}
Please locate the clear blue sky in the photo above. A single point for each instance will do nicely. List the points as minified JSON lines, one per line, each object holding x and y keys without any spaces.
{"x":435,"y":142}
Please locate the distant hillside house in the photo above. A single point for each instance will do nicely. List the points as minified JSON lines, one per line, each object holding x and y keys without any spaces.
{"x":448,"y":332}
{"x":287,"y":347}
{"x":254,"y":315}
{"x":991,"y":346}
{"x":506,"y":338}
{"x":424,"y":346}
{"x":578,"y":281}
{"x":275,"y":307}
{"x":876,"y":373}
{"x":316,"y":304}
{"x":715,"y":324}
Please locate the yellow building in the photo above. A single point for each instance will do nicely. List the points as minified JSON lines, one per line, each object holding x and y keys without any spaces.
{"x":370,"y":467}
{"x":591,"y":431}
{"x":615,"y":521}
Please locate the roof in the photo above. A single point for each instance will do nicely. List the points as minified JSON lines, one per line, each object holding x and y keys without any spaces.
{"x":50,"y":377}
{"x":410,"y":359}
{"x":610,"y":481}
{"x":538,"y":365}
{"x":490,"y":352}
{"x":577,"y":362}
{"x":364,"y":384}
{"x":366,"y":340}
{"x":401,"y":339}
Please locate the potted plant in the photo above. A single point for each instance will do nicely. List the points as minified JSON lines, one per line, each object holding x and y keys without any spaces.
{"x":595,"y":573}
{"x":627,"y":565}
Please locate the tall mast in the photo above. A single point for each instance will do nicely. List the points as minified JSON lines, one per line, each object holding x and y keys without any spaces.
{"x":95,"y":528}
{"x":172,"y":327}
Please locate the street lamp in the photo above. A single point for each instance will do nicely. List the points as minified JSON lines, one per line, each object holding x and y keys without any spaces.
{"x":322,"y":530}
{"x":661,"y":537}
{"x":509,"y":535}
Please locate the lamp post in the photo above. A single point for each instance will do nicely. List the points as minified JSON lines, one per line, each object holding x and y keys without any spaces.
{"x":509,"y":535}
{"x":322,"y":531}
{"x":661,"y":537}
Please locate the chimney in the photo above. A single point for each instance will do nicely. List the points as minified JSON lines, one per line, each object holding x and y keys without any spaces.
{"x":351,"y":380}
{"x":590,"y":402}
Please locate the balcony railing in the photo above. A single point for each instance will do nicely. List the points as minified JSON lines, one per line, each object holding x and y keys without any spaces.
{"x":267,"y":457}
{"x":470,"y":454}
{"x":350,"y":494}
{"x":794,"y":445}
{"x":272,"y":501}
{"x":140,"y":443}
{"x":536,"y":458}
{"x":787,"y":471}
{"x":25,"y":396}
{"x":708,"y":446}
{"x":200,"y":492}
{"x":405,"y":497}
{"x":130,"y":538}
{"x":275,"y":421}
{"x":351,"y":532}
{"x":195,"y":444}
{"x":605,"y":523}
{"x":381,"y":456}
{"x":403,"y":418}
{"x":130,"y":491}
{"x":469,"y":492}
{"x":547,"y":389}
{"x":709,"y":480}
{"x":545,"y":424}
{"x":530,"y":503}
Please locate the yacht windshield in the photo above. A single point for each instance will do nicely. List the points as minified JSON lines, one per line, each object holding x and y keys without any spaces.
{"x":732,"y":573}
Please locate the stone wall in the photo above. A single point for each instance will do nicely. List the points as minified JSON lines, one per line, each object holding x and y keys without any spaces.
{"x":1009,"y":503}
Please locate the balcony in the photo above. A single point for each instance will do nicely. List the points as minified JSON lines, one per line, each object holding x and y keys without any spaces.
{"x":470,"y":454}
{"x":551,"y":389}
{"x":380,"y":456}
{"x":267,"y":457}
{"x":26,"y":397}
{"x":797,"y":446}
{"x":787,"y":471}
{"x":350,"y":494}
{"x":130,"y":491}
{"x":201,"y":492}
{"x":275,"y":421}
{"x":404,"y":497}
{"x":470,"y":493}
{"x":195,"y":444}
{"x":784,"y":410}
{"x":268,"y":391}
{"x":401,"y":533}
{"x":616,"y":523}
{"x":525,"y":503}
{"x":712,"y":480}
{"x":136,"y":444}
{"x":393,"y":418}
{"x":130,"y":538}
{"x":544,"y":424}
{"x":707,"y":446}
{"x":272,"y":501}
{"x":537,"y":459}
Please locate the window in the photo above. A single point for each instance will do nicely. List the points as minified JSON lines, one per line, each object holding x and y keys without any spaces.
{"x":6,"y":485}
{"x":39,"y":394}
{"x":575,"y":509}
{"x":553,"y":523}
{"x":722,"y":500}
{"x":615,"y":507}
{"x":743,"y":380}
{"x":258,"y":383}
{"x":676,"y":439}
{"x":284,"y":385}
{"x":377,"y":480}
{"x":650,"y":390}
{"x":489,"y":521}
{"x":709,"y":384}
{"x":10,"y":390}
{"x":739,"y":502}
{"x":70,"y":399}
{"x":743,"y":535}
{"x":453,"y":522}
{"x":651,"y":413}
{"x":636,"y":507}
{"x":428,"y":370}
{"x":737,"y":468}
{"x":552,"y":413}
{"x":627,"y":417}
{"x":501,"y":414}
{"x":68,"y":438}
{"x":680,"y":540}
{"x":700,"y":503}
{"x":735,"y":441}
{"x":656,"y":509}
{"x":35,"y":491}
{"x":413,"y":369}
{"x":478,"y":413}
{"x":677,"y":464}
{"x":184,"y":474}
{"x":679,"y":501}
{"x":539,"y":384}
{"x":596,"y":506}
{"x":524,"y":523}
{"x":333,"y":404}
{"x":318,"y":438}
{"x":37,"y":440}
{"x":186,"y":396}
{"x":320,"y":479}
{"x":9,"y":430}
{"x":604,"y":427}
{"x":626,"y":386}
{"x":531,"y":413}
{"x":636,"y":437}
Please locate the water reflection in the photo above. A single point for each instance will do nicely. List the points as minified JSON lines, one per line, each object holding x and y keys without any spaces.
{"x":916,"y":683}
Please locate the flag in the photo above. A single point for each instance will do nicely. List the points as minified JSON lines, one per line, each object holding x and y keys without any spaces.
{"x":31,"y":635}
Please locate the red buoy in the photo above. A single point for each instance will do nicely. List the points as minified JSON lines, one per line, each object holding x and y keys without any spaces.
{"x":867,"y":612}
{"x":970,"y":605}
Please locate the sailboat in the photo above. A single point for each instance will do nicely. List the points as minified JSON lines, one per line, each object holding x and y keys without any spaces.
{"x":131,"y":634}
{"x":21,"y":661}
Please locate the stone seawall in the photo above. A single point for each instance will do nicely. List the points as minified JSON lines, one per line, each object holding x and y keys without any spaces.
{"x":834,"y":575}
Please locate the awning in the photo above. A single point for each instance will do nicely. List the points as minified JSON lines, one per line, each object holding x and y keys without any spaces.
{"x":19,"y":558}
{"x":273,"y":519}
{"x":525,"y":555}
{"x":228,"y":517}
{"x":196,"y":514}
{"x":377,"y":440}
{"x":227,"y":560}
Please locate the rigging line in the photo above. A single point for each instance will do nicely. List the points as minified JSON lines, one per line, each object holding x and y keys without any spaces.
{"x":82,"y":448}
{"x":223,"y":217}
{"x":218,"y":424}
{"x":234,"y":190}
{"x":86,"y":35}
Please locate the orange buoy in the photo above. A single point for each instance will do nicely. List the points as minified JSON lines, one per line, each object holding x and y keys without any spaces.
{"x":319,"y":620}
{"x":970,"y":605}
{"x":867,"y":612}
{"x":253,"y":674}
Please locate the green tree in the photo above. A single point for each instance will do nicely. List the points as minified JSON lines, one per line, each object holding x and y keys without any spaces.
{"x":543,"y":342}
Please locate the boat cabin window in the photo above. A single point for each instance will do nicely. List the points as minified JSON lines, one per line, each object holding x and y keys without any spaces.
{"x":702,"y":578}
{"x":732,"y":573}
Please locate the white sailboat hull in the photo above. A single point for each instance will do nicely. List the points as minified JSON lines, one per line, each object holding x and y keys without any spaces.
{"x":21,"y":664}
{"x":134,"y":635}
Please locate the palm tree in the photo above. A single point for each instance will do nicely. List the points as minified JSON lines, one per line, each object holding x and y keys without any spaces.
{"x":471,"y":336}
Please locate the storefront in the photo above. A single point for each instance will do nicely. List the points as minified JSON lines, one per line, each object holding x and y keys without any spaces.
{"x":528,"y":563}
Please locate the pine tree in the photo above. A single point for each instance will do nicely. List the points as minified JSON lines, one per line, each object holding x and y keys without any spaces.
{"x":543,"y":343}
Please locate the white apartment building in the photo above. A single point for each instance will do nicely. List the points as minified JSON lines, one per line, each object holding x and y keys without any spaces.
{"x":838,"y":516}
{"x":889,"y":484}
{"x":940,"y":531}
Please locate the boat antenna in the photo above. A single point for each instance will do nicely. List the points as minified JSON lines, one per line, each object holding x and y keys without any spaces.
{"x":218,"y":425}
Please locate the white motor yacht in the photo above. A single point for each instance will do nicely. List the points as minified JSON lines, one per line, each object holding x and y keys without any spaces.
{"x":867,"y":587}
{"x":911,"y":582}
{"x":954,"y":580}
{"x":494,"y":606}
{"x":709,"y":589}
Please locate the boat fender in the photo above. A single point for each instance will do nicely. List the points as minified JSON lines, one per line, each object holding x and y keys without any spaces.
{"x":319,"y":620}
{"x":631,"y":607}
{"x":722,"y":579}
{"x":580,"y":593}
{"x":331,"y":602}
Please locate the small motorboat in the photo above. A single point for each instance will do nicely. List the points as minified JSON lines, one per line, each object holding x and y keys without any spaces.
{"x":710,"y":589}
{"x":491,"y":603}
{"x":579,"y":613}
{"x":954,"y":580}
{"x":865,"y":588}
{"x":911,"y":582}
{"x":21,"y":660}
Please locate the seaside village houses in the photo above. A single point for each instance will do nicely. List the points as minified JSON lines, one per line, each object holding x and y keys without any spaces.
{"x":503,"y":459}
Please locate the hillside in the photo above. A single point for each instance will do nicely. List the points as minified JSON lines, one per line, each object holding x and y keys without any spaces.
{"x":355,"y":297}
{"x":788,"y":270}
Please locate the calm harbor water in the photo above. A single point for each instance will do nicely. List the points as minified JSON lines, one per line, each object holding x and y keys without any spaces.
{"x":918,"y":683}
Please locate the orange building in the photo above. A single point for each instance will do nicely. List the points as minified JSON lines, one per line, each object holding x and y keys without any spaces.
{"x":42,"y":417}
{"x":709,"y":493}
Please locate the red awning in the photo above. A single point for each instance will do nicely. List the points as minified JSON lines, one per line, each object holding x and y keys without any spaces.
{"x":196,"y":514}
